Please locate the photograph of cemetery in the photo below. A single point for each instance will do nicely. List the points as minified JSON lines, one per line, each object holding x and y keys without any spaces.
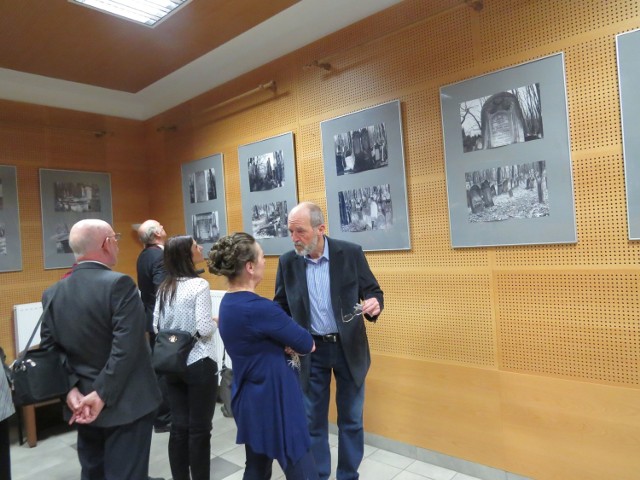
{"x":361,"y":150}
{"x":1,"y":195}
{"x":266,"y":171}
{"x":505,"y":193}
{"x":3,"y":239}
{"x":76,"y":197}
{"x":507,"y":117}
{"x":269,"y":220}
{"x":366,"y":208}
{"x":205,"y":227}
{"x":202,"y":186}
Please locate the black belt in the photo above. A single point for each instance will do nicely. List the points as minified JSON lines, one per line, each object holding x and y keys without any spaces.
{"x":328,"y":338}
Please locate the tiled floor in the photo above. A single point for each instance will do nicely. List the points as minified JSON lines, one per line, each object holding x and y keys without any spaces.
{"x":55,"y":457}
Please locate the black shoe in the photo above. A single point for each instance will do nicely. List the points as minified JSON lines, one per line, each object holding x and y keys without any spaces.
{"x":162,"y":429}
{"x":156,"y":478}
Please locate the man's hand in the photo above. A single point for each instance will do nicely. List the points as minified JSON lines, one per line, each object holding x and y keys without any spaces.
{"x":89,"y":408}
{"x":371,"y":307}
{"x":74,"y":399}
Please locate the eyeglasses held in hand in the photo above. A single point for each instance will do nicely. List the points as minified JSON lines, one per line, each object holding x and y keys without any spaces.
{"x":357,"y":311}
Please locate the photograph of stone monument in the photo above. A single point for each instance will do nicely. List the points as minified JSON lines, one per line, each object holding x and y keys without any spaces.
{"x":205,"y":227}
{"x":361,"y":149}
{"x":507,"y":193}
{"x":3,"y":239}
{"x":76,"y":197}
{"x":366,"y":208}
{"x":202,"y":186}
{"x":504,"y":118}
{"x":266,"y":171}
{"x":269,"y":220}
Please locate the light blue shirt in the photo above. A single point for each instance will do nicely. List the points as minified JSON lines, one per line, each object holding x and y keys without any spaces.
{"x":322,"y":318}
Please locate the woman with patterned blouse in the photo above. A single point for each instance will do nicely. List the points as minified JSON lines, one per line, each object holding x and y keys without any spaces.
{"x":184,"y":303}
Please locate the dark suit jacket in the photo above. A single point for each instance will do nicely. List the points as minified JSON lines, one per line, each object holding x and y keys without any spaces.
{"x":351,"y":281}
{"x":97,"y":319}
{"x":151,"y":273}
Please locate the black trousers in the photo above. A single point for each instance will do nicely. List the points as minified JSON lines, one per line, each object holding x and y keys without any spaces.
{"x":5,"y":460}
{"x":192,"y":397}
{"x":259,"y":466}
{"x":115,"y":453}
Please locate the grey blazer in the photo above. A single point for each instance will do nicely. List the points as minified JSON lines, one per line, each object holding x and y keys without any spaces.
{"x":97,"y":319}
{"x":351,"y":281}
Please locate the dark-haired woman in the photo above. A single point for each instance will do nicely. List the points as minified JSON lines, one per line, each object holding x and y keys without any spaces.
{"x":266,"y":395}
{"x":184,"y":303}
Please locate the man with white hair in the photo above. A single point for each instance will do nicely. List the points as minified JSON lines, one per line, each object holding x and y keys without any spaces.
{"x":96,"y":318}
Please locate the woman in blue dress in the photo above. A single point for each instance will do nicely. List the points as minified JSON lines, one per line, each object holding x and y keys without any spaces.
{"x":267,"y":399}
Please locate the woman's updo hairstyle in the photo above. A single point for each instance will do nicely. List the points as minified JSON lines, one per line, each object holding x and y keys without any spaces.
{"x":230,"y":254}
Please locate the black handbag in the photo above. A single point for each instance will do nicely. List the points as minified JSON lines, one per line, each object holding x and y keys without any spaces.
{"x":39,"y":374}
{"x":171,"y":351}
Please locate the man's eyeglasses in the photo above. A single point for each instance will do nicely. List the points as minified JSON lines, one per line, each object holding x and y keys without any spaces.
{"x":357,"y":311}
{"x":116,"y":236}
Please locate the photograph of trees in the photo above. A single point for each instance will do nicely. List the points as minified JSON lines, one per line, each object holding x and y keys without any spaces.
{"x":501,"y":119}
{"x":202,"y":186}
{"x":266,"y":171}
{"x":505,"y":193}
{"x":269,"y":220}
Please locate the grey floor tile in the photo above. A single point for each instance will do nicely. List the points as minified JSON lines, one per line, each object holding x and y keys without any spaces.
{"x":373,"y":470}
{"x":221,"y":468}
{"x":433,"y":472}
{"x":405,"y":475}
{"x":392,"y":459}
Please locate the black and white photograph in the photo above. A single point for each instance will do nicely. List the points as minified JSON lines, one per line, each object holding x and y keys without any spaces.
{"x":205,"y":228}
{"x":67,"y":196}
{"x":203,"y":200}
{"x":508,"y":193}
{"x":202,"y":186}
{"x":361,"y":149}
{"x":10,"y":244}
{"x":269,"y":220}
{"x":266,"y":171}
{"x":628,"y":46}
{"x":76,"y":197}
{"x":522,"y":192}
{"x":365,"y":209}
{"x":501,"y":119}
{"x":268,"y":190}
{"x":365,"y":183}
{"x":3,"y":239}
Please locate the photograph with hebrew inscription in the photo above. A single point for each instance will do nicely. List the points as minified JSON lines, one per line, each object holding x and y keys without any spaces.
{"x":502,"y":119}
{"x":516,"y":188}
{"x":508,"y":193}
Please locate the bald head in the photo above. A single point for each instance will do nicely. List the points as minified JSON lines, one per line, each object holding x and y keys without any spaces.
{"x":88,"y":240}
{"x":151,"y":232}
{"x":310,"y":211}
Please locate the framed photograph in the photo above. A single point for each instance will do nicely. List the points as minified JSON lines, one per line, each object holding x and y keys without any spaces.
{"x":627,"y":45}
{"x":203,"y":197}
{"x":365,"y":178}
{"x":508,"y":158}
{"x":268,"y":190}
{"x":66,"y":197}
{"x":10,"y":245}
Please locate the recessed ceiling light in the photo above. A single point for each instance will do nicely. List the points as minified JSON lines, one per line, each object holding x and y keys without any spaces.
{"x":146,"y":12}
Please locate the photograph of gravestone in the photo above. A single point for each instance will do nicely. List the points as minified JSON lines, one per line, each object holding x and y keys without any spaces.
{"x":202,"y":186}
{"x":504,"y":118}
{"x":1,"y":195}
{"x":361,"y":150}
{"x":205,"y":227}
{"x":60,"y":238}
{"x":76,"y":197}
{"x":269,"y":220}
{"x":366,"y":208}
{"x":266,"y":171}
{"x":507,"y":193}
{"x":3,"y":239}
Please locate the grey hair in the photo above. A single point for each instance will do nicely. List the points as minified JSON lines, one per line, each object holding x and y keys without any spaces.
{"x":316,"y":217}
{"x":147,"y":236}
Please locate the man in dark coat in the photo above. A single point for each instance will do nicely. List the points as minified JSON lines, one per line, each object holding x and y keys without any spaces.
{"x":326,"y":285}
{"x":96,"y":318}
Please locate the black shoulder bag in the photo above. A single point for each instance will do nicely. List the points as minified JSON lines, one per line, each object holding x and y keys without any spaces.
{"x":171,"y":350}
{"x":39,"y":374}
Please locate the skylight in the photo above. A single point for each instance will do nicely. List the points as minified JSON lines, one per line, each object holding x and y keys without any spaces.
{"x":146,"y":12}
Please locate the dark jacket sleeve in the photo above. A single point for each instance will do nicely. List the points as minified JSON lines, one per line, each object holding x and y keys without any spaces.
{"x":281,"y":292}
{"x":368,"y":285}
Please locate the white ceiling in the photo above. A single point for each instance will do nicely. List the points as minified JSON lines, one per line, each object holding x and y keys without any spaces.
{"x":295,"y":27}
